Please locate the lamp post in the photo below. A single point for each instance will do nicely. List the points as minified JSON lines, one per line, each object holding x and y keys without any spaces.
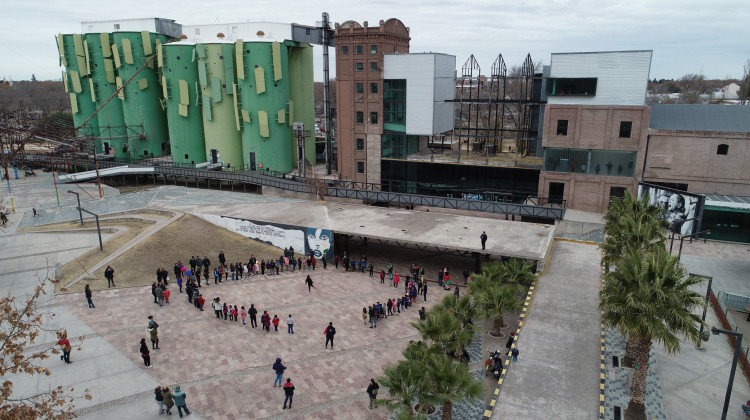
{"x":737,"y":348}
{"x":682,"y":240}
{"x":705,"y":307}
{"x":80,"y":214}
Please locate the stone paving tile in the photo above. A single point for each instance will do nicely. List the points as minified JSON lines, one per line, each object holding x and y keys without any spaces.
{"x":214,"y":360}
{"x":722,"y":250}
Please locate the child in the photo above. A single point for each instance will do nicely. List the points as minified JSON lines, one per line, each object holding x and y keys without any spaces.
{"x":225,"y":309}
{"x":276,"y":323}
{"x":364,"y":316}
{"x":231,"y":313}
{"x":235,"y":313}
{"x":243,"y":314}
{"x":166,"y":294}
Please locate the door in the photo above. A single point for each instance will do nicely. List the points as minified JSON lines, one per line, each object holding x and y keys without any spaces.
{"x":252,"y":161}
{"x":556,"y":192}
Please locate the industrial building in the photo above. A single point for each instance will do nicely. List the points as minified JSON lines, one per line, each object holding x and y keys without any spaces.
{"x":227,"y":94}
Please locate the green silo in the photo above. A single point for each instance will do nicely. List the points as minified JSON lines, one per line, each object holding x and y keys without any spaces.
{"x":264,"y":108}
{"x":103,"y":73}
{"x":181,"y":91}
{"x":220,"y":124}
{"x":74,"y":55}
{"x":141,"y":98}
{"x":302,"y":92}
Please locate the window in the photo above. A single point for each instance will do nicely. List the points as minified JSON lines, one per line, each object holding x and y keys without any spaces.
{"x":585,"y":86}
{"x":373,"y":65}
{"x":373,"y":118}
{"x":562,"y":127}
{"x":358,"y":49}
{"x":359,"y":117}
{"x":394,"y":101}
{"x":360,"y":167}
{"x":197,"y":31}
{"x":373,"y":49}
{"x":344,"y":50}
{"x":117,"y":26}
{"x":625,"y":128}
{"x":360,"y":144}
{"x":616,"y":192}
{"x":373,"y":88}
{"x":592,"y":162}
{"x":359,"y":88}
{"x":723,"y":149}
{"x":359,"y":66}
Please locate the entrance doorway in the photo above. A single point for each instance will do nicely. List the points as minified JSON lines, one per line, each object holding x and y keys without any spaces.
{"x":556,"y":192}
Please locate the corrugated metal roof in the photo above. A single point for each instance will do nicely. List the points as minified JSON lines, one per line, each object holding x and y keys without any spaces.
{"x":730,"y":201}
{"x":731,"y":118}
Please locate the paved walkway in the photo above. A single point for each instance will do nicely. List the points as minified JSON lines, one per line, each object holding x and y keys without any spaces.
{"x":557,"y":373}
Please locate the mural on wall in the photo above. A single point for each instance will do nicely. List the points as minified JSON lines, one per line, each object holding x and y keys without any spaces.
{"x":304,"y":240}
{"x":682,"y":210}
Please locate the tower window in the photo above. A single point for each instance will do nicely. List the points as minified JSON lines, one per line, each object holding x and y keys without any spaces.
{"x":358,"y":49}
{"x":359,"y":117}
{"x":360,"y":144}
{"x":562,"y":127}
{"x":373,"y":65}
{"x":359,"y":66}
{"x":723,"y":149}
{"x":373,"y":49}
{"x":344,"y":50}
{"x":359,"y":88}
{"x":360,"y":167}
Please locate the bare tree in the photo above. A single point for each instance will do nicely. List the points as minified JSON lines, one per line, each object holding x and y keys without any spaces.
{"x":693,"y":86}
{"x":745,"y":84}
{"x":20,"y":326}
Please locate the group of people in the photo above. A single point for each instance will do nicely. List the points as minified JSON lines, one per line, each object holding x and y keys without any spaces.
{"x":167,"y":399}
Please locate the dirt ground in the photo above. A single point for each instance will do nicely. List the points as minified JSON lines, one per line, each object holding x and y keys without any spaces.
{"x":183,"y":238}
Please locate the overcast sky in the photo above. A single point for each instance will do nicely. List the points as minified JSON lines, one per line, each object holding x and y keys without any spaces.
{"x":687,"y":36}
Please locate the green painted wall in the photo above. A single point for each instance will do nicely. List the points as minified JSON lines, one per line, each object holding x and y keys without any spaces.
{"x":77,"y":81}
{"x":141,"y":102}
{"x":216,"y":80}
{"x":272,"y":148}
{"x":302,"y":92}
{"x":110,"y":118}
{"x":179,"y":67}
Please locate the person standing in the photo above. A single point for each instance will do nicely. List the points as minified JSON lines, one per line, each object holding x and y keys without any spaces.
{"x":154,"y":338}
{"x":253,"y":314}
{"x":66,"y":347}
{"x":35,"y":213}
{"x":382,"y":277}
{"x":466,"y":276}
{"x":153,"y":291}
{"x":159,"y":399}
{"x":483,"y":238}
{"x":222,"y":259}
{"x":288,"y":392}
{"x":309,"y":283}
{"x":372,"y":392}
{"x":290,"y":325}
{"x":510,"y":341}
{"x":152,"y":323}
{"x":243,"y":314}
{"x":275,"y":322}
{"x":109,"y":274}
{"x":216,"y":305}
{"x":160,"y":296}
{"x":168,"y":399}
{"x":456,"y":293}
{"x":179,"y":401}
{"x":265,"y":319}
{"x":424,"y":291}
{"x":279,"y":368}
{"x":145,"y":354}
{"x":514,"y":353}
{"x":336,"y":261}
{"x":87,"y":292}
{"x":330,"y":331}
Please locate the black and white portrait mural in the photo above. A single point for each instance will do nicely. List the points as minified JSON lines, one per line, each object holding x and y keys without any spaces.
{"x":680,"y":208}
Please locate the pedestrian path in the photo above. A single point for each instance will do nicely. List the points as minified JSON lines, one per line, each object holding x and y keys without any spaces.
{"x":557,"y":372}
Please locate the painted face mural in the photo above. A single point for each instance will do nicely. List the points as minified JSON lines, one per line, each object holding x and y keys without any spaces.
{"x":319,"y":241}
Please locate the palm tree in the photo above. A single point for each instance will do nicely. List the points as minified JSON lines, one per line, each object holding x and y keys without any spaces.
{"x":494,"y":300}
{"x":404,"y":384}
{"x":517,"y":272}
{"x":445,"y":330}
{"x":451,"y":382}
{"x":461,"y":308}
{"x":631,"y":223}
{"x":649,"y":298}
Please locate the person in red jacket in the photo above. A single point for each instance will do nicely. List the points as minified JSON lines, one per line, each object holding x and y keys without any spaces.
{"x":275,"y":323}
{"x":166,"y":294}
{"x":66,"y":347}
{"x":288,"y":392}
{"x":201,"y":301}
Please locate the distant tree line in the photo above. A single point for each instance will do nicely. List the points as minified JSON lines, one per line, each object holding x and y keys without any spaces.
{"x":33,"y":95}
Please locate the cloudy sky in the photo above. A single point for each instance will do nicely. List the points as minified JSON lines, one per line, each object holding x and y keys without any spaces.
{"x":687,"y":36}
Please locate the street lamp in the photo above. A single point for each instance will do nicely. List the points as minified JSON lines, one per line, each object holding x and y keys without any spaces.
{"x":737,"y":348}
{"x":80,"y":214}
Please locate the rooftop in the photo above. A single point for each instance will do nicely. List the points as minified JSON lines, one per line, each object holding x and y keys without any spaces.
{"x":735,"y":119}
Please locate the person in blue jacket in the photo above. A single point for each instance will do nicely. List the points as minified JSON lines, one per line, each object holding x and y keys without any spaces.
{"x":279,"y":368}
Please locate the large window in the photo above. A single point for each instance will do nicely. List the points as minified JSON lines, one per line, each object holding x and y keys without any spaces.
{"x":359,"y":117}
{"x":398,"y":145}
{"x":359,"y":87}
{"x":359,"y":66}
{"x":360,"y":144}
{"x":373,"y":88}
{"x":344,"y":50}
{"x":723,"y":149}
{"x":358,"y":49}
{"x":592,"y":162}
{"x":394,"y":101}
{"x":373,"y":118}
{"x":360,"y":167}
{"x":373,"y":65}
{"x":584,"y":86}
